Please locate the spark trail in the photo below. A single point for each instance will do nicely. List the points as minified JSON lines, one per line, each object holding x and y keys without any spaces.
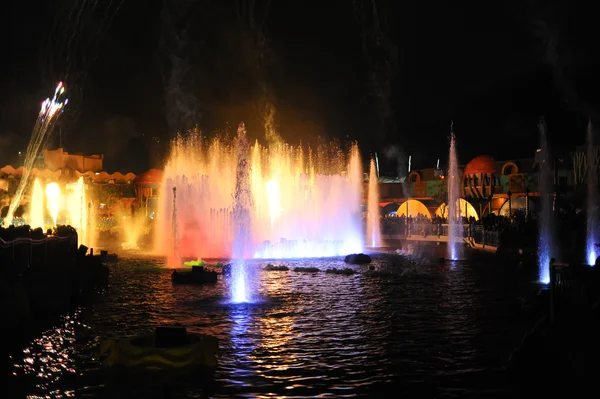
{"x":50,"y":111}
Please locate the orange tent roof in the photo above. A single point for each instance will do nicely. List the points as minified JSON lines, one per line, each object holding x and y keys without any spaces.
{"x":481,"y":164}
{"x":153,"y":176}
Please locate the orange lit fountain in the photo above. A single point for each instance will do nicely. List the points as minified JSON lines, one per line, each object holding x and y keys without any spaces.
{"x":373,"y":212}
{"x":68,"y":207}
{"x":304,"y":203}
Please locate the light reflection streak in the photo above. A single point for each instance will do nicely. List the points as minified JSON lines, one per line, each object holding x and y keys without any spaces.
{"x":50,"y":359}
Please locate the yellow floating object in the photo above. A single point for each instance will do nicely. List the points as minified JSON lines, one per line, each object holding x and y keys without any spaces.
{"x":147,"y":353}
{"x":198,"y":262}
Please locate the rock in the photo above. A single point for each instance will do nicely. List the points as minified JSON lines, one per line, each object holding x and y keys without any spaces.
{"x":357,"y":259}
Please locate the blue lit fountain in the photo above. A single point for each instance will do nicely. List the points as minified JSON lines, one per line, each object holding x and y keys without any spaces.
{"x":546,"y":217}
{"x":592,"y":198}
{"x":455,"y":226}
{"x":242,"y":202}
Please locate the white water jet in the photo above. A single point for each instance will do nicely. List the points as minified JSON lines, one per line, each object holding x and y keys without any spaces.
{"x":546,"y":217}
{"x":455,"y":225}
{"x":592,"y":198}
{"x":242,"y":205}
{"x":373,"y":212}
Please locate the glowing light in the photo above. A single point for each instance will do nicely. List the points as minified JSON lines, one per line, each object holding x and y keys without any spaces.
{"x":591,"y":253}
{"x":52,"y":197}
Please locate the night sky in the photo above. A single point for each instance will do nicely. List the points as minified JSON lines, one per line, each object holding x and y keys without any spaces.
{"x":138,"y":71}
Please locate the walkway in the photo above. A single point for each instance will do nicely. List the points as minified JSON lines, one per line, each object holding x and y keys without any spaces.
{"x":439,"y":239}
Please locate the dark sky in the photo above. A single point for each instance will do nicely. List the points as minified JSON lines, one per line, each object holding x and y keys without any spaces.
{"x":138,"y":71}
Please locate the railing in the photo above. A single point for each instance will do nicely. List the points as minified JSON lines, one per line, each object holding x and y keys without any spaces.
{"x":27,"y":251}
{"x":474,"y":232}
{"x":571,"y":285}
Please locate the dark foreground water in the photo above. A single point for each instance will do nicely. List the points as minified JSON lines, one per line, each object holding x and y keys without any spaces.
{"x":418,"y":329}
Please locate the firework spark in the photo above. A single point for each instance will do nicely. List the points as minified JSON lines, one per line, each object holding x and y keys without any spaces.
{"x":49,"y":112}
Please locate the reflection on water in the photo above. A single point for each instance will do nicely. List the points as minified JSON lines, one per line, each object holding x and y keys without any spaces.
{"x":421,"y":328}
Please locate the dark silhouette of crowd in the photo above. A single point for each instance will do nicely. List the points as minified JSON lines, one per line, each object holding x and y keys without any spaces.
{"x":568,"y":227}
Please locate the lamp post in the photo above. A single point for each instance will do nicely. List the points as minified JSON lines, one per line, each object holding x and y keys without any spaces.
{"x":509,"y":205}
{"x":527,"y":203}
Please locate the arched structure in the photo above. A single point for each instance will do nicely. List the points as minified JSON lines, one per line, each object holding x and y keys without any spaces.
{"x":510,"y":168}
{"x":414,"y":177}
{"x":480,"y":179}
{"x":413,"y":208}
{"x":466,"y":210}
{"x":518,"y":204}
{"x":390,"y":208}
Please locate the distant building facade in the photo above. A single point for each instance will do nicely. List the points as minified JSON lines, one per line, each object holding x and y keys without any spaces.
{"x":60,"y":159}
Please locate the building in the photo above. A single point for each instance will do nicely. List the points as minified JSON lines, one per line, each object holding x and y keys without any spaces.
{"x":147,"y":186}
{"x":491,"y":186}
{"x":60,"y":159}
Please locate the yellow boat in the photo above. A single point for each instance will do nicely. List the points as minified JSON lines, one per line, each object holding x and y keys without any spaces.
{"x":168,"y":349}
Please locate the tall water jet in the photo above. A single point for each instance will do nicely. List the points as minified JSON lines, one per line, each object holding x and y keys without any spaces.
{"x":455,"y":225}
{"x":592,"y":197}
{"x":242,"y":203}
{"x":546,"y":217}
{"x":176,"y":258}
{"x":50,"y":110}
{"x":373,"y":213}
{"x":36,"y":206}
{"x":77,"y":211}
{"x":53,"y":201}
{"x":306,"y":203}
{"x":134,"y":228}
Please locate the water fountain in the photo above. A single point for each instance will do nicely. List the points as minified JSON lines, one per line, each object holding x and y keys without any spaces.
{"x":134,"y":229}
{"x":53,"y":200}
{"x":175,"y":243}
{"x":373,"y":212}
{"x":305,"y":203}
{"x":36,"y":206}
{"x":64,"y":207}
{"x":50,"y":110}
{"x":592,"y":198}
{"x":242,"y":204}
{"x":546,"y":217}
{"x":455,"y":225}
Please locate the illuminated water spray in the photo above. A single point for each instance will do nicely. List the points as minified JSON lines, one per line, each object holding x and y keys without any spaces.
{"x":76,"y":212}
{"x":52,"y":201}
{"x":36,"y":206}
{"x":176,"y":260}
{"x":305,"y":202}
{"x":455,"y":225}
{"x":274,"y":200}
{"x":242,"y":203}
{"x":546,"y":219}
{"x":592,"y":198}
{"x":373,"y":213}
{"x":51,"y":109}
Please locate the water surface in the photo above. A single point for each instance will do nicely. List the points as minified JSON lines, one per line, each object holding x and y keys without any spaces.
{"x":417,"y":328}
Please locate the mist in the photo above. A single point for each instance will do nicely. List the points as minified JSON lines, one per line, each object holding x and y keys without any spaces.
{"x":396,"y":157}
{"x":182,"y":108}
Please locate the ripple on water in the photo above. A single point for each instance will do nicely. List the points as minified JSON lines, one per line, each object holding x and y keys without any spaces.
{"x":421,"y":328}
